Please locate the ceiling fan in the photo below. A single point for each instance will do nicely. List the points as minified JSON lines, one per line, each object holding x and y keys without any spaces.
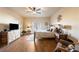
{"x":36,"y":10}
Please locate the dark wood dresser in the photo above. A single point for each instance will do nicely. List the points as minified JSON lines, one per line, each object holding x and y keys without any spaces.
{"x":3,"y":38}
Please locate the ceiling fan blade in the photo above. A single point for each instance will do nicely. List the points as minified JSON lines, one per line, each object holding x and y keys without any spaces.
{"x":33,"y":9}
{"x":38,"y":12}
{"x":38,"y":9}
{"x":30,"y":8}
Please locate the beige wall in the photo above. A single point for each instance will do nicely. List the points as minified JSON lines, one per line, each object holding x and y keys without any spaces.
{"x":70,"y":16}
{"x":39,"y":20}
{"x":8,"y":16}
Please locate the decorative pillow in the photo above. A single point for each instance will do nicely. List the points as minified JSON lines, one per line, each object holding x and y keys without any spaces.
{"x":66,"y":43}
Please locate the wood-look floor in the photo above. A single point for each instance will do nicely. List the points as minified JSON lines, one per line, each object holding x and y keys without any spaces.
{"x":26,"y":44}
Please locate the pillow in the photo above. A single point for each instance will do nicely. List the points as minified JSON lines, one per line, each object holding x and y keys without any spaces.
{"x":69,"y":40}
{"x":66,"y":43}
{"x":70,"y":47}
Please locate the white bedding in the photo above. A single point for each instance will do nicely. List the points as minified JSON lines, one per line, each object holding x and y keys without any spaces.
{"x":43,"y":34}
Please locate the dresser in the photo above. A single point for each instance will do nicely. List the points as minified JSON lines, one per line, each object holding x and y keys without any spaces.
{"x":3,"y":38}
{"x":8,"y":36}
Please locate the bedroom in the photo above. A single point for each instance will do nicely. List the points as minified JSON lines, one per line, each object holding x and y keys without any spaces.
{"x":38,"y":21}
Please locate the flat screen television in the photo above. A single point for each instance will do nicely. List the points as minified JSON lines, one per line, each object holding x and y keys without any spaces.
{"x":13,"y":26}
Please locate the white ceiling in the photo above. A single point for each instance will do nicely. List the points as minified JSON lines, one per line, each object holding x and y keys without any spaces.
{"x":46,"y":11}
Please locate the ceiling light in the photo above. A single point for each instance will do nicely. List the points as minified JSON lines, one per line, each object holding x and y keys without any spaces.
{"x":34,"y":10}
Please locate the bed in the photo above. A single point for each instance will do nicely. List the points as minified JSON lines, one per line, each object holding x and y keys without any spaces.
{"x":39,"y":34}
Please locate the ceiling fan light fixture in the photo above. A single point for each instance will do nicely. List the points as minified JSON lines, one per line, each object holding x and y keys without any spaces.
{"x":35,"y":10}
